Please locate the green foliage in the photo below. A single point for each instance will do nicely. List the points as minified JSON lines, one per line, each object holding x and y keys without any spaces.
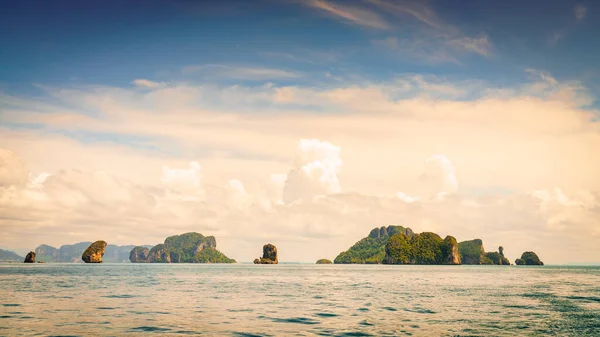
{"x":324,"y":261}
{"x":367,"y":250}
{"x":399,"y":250}
{"x":211,"y":255}
{"x":371,"y":250}
{"x":529,"y":259}
{"x":471,"y":252}
{"x":494,"y":257}
{"x":427,"y":248}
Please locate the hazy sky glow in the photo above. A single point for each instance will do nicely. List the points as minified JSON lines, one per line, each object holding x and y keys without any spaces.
{"x":301,"y":123}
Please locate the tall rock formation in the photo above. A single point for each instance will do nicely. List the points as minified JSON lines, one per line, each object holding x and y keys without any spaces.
{"x":269,"y":255}
{"x":30,"y":258}
{"x":94,"y":253}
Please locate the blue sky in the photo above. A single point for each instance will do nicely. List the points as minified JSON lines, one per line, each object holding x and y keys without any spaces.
{"x":113,"y":42}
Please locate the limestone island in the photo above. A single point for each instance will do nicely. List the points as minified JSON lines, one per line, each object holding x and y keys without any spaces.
{"x":94,"y":253}
{"x":269,"y":255}
{"x":185,"y":248}
{"x":30,"y":258}
{"x":529,"y":259}
{"x":324,"y":261}
{"x":400,"y":245}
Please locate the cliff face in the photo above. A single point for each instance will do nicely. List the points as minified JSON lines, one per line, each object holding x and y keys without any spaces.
{"x":185,"y":248}
{"x":139,"y":254}
{"x":472,"y":252}
{"x":269,"y":255}
{"x":94,"y":253}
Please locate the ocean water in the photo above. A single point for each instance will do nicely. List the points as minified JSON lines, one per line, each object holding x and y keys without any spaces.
{"x":297,"y":300}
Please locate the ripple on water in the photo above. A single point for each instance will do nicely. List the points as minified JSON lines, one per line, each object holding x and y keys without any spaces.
{"x":354,"y":334}
{"x":326,"y":314}
{"x":150,"y":329}
{"x":420,"y":310}
{"x":247,"y":334}
{"x":298,"y":320}
{"x":11,"y":305}
{"x":120,"y":296}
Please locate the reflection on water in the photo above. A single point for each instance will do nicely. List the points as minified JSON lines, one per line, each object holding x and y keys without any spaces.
{"x":300,"y":300}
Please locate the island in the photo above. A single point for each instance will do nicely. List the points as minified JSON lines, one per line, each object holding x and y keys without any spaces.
{"x":185,"y":248}
{"x":529,"y":259}
{"x":324,"y":261}
{"x":94,"y":253}
{"x":472,"y":252}
{"x":30,"y":258}
{"x":269,"y":255}
{"x":400,"y":245}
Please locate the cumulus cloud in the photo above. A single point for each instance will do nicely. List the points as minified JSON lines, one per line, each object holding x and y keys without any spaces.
{"x":438,"y":177}
{"x":315,"y":172}
{"x":183,"y":183}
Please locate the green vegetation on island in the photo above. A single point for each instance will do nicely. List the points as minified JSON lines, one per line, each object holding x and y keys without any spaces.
{"x":424,"y":248}
{"x":185,"y":248}
{"x":529,"y":259}
{"x":400,"y":245}
{"x":324,"y":261}
{"x":371,"y":250}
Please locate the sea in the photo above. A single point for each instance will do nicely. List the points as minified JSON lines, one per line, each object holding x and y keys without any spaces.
{"x":297,"y":300}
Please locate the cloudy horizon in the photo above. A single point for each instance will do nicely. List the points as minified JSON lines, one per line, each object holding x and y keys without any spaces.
{"x":301,"y":123}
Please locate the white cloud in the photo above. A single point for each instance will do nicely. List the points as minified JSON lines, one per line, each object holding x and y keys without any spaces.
{"x":354,"y":15}
{"x":438,"y":177}
{"x":580,"y":11}
{"x":146,"y":83}
{"x":184,"y":183}
{"x":240,"y":72}
{"x":315,"y":171}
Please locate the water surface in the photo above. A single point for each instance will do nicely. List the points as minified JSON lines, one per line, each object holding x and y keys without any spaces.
{"x":297,"y":300}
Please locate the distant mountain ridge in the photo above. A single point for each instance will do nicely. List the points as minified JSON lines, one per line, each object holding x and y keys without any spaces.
{"x":9,"y":255}
{"x":72,"y":253}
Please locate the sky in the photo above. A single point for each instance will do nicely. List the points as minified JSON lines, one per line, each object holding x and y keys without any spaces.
{"x":301,"y":123}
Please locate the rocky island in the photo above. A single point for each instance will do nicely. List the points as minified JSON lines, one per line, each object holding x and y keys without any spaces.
{"x":400,"y":245}
{"x":529,"y":259}
{"x":472,"y":252}
{"x":269,"y":255}
{"x":30,"y":258}
{"x":94,"y":253}
{"x":324,"y":261}
{"x":185,"y":248}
